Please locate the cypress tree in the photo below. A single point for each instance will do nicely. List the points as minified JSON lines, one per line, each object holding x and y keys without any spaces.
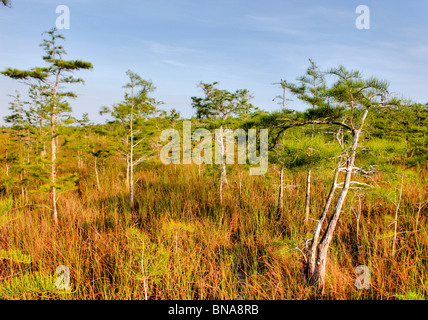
{"x":54,"y":75}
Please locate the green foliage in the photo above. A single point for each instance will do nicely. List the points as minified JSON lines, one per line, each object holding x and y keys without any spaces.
{"x":140,"y":110}
{"x":384,"y":235}
{"x":221,"y":104}
{"x":214,"y":171}
{"x":298,"y":151}
{"x":325,"y":111}
{"x":66,"y":182}
{"x":311,"y":87}
{"x":407,"y":123}
{"x":28,"y":283}
{"x":135,"y":104}
{"x":383,"y":153}
{"x":15,"y":255}
{"x":287,"y":247}
{"x":5,"y":206}
{"x":411,"y":295}
{"x":155,"y":258}
{"x":176,"y":226}
{"x":49,"y":102}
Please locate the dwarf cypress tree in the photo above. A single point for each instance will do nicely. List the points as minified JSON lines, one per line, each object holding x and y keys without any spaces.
{"x":218,"y":106}
{"x":130,"y":114}
{"x":15,"y":148}
{"x":357,"y":96}
{"x":54,"y":76}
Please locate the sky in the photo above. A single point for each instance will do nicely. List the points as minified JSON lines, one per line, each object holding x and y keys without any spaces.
{"x":242,"y":44}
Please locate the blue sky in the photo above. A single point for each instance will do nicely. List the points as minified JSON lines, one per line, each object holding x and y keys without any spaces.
{"x":239,"y":43}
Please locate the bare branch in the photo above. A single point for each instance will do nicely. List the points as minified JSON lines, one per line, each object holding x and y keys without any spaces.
{"x":139,"y":142}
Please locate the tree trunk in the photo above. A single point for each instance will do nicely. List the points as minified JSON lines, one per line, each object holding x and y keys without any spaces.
{"x":41,"y":136}
{"x":396,"y":215}
{"x":53,"y":153}
{"x":221,"y":189}
{"x":29,"y":145}
{"x":222,"y":151}
{"x":319,"y":270}
{"x":420,"y":206}
{"x":131,"y":157}
{"x":313,"y":249}
{"x":22,"y":187}
{"x":308,"y":194}
{"x":96,"y":173}
{"x":53,"y":169}
{"x":318,"y":276}
{"x":223,"y":177}
{"x":127,"y":171}
{"x":281,"y":193}
{"x":131,"y":183}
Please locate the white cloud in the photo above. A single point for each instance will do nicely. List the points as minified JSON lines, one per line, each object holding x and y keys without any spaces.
{"x":168,"y":50}
{"x":174,"y":63}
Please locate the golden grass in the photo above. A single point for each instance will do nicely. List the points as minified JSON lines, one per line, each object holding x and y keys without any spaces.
{"x":195,"y":248}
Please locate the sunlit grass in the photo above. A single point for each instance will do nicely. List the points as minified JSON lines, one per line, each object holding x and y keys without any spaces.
{"x":191,"y":247}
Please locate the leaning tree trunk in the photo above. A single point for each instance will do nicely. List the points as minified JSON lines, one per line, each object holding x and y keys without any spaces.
{"x":318,"y":276}
{"x":312,"y":250}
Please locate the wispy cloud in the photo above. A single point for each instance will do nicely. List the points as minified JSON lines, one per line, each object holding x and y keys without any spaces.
{"x":168,"y":50}
{"x":174,"y":63}
{"x":272,"y":24}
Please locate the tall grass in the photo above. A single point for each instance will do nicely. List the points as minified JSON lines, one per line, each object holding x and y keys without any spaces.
{"x":195,"y":248}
